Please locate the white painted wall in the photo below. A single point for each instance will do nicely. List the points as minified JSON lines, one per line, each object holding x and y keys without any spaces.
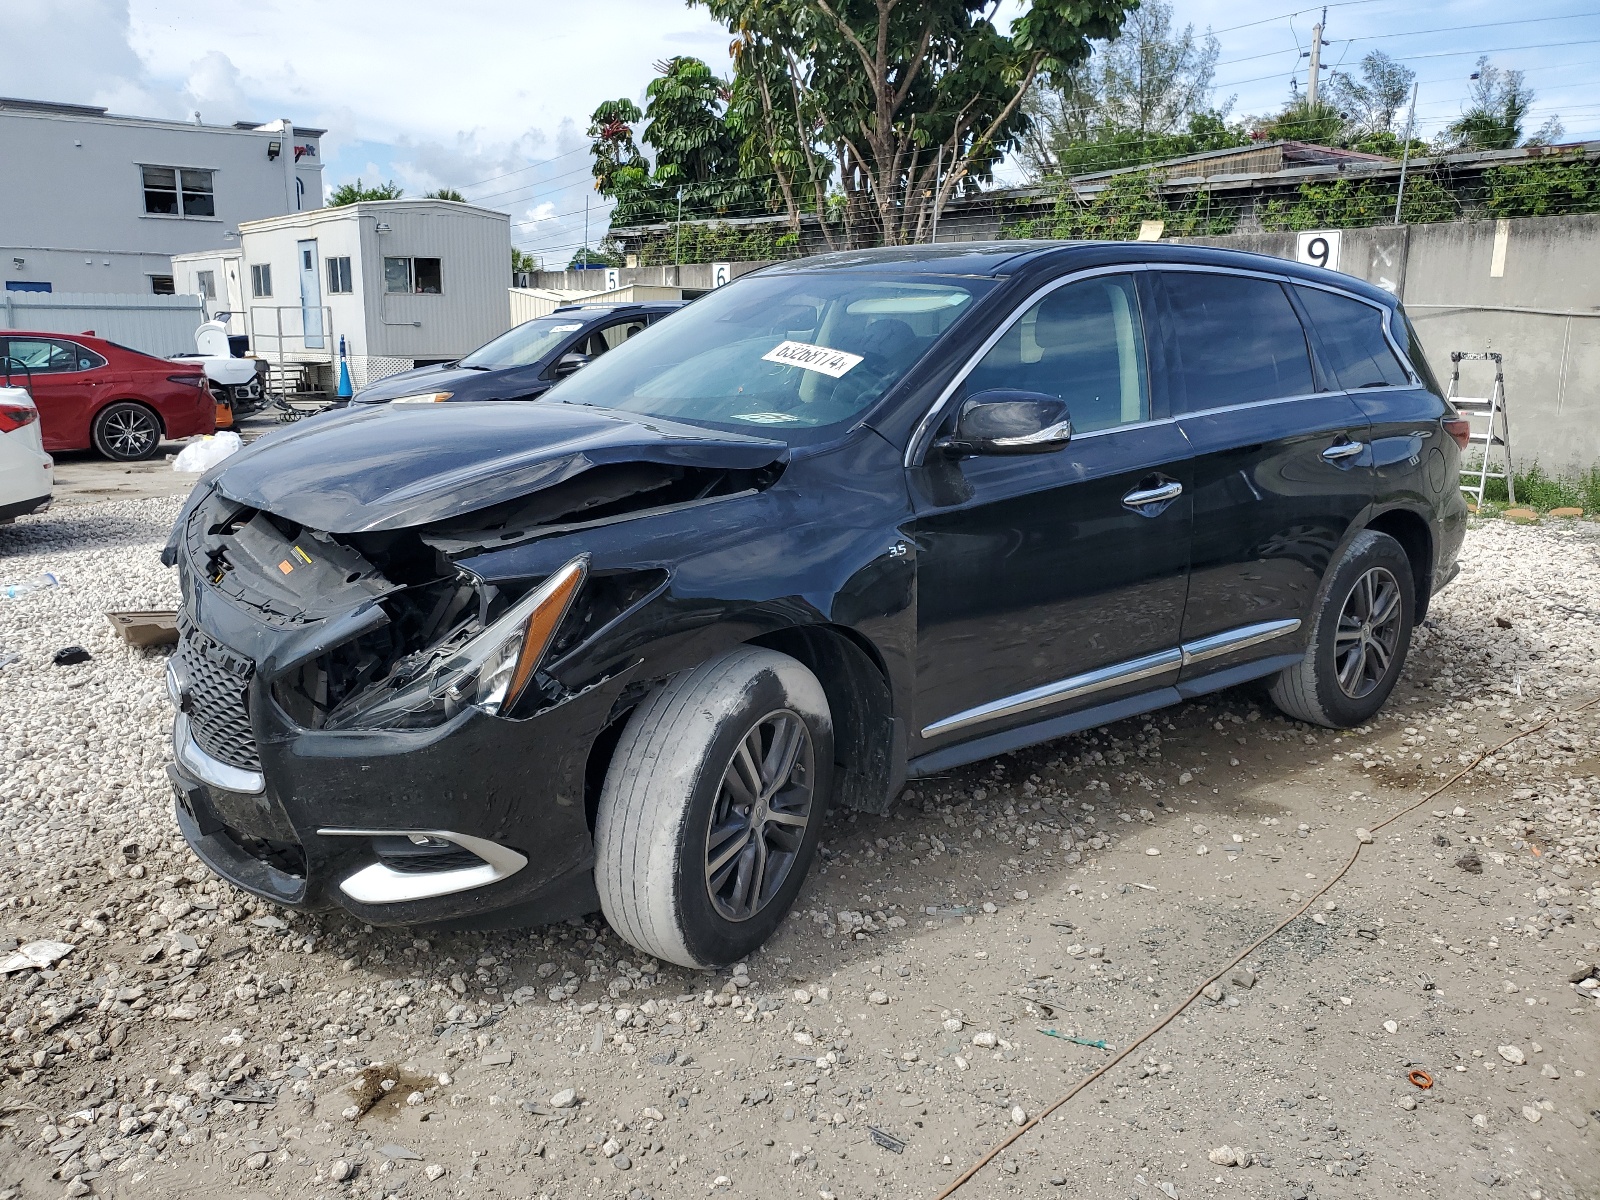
{"x":72,"y":194}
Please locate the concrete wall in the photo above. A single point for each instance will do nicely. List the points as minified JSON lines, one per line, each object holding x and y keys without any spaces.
{"x":1536,"y":301}
{"x":72,"y":195}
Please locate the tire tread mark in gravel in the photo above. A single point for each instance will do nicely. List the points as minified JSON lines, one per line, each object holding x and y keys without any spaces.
{"x":1144,"y":1037}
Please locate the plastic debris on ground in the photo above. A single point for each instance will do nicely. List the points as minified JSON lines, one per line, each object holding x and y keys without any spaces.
{"x":34,"y":955}
{"x":204,"y":453}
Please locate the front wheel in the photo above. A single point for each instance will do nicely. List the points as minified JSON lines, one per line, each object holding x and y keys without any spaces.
{"x":712,"y":807}
{"x":126,"y":431}
{"x":1359,"y":638}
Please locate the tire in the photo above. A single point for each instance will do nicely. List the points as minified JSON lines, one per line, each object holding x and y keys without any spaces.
{"x":126,"y":431}
{"x":656,"y":839}
{"x":1351,"y":664}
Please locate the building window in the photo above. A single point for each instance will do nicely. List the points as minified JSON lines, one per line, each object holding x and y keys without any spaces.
{"x":419,"y":275}
{"x":261,"y":279}
{"x":339,"y":276}
{"x":205,"y":282}
{"x":178,"y":192}
{"x":161,"y":285}
{"x":27,"y":285}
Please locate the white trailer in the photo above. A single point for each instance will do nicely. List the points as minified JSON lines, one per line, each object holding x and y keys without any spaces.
{"x":403,"y":282}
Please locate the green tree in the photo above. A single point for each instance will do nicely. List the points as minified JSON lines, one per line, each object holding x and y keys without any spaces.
{"x":1497,"y":107}
{"x":697,"y":156}
{"x":606,"y":254}
{"x":355,"y":193}
{"x":1370,"y":103}
{"x":445,"y":193}
{"x":1321,"y":124}
{"x":908,"y":102}
{"x":523,"y":263}
{"x":620,"y":171}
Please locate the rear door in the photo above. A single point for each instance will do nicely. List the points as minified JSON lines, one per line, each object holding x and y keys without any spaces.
{"x":1282,"y":466}
{"x":1354,"y":343}
{"x":67,"y":381}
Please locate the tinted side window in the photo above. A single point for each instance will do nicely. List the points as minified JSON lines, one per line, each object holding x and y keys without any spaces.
{"x":1419,"y":359}
{"x":1084,"y":343}
{"x":1352,"y":340}
{"x":41,"y":356}
{"x":1238,"y":340}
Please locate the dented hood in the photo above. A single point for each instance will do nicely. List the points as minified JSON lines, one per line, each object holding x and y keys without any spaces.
{"x":390,"y":467}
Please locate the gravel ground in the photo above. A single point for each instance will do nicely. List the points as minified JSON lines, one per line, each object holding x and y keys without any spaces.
{"x":196,"y":1040}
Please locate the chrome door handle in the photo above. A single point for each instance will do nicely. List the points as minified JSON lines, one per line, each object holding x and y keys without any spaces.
{"x":1140,"y":497}
{"x":1340,"y":451}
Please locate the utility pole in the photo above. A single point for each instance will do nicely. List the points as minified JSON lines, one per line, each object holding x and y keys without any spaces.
{"x":586,"y":232}
{"x":677,"y":248}
{"x":938,"y":182}
{"x":1405,"y":156}
{"x":1316,"y":61}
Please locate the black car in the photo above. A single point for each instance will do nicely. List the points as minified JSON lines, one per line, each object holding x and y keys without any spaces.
{"x":525,"y":362}
{"x":848,"y":520}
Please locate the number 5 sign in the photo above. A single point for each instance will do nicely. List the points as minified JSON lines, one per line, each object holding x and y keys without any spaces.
{"x":1318,"y":248}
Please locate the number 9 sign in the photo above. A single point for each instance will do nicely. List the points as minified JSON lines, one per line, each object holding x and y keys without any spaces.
{"x":1318,"y":248}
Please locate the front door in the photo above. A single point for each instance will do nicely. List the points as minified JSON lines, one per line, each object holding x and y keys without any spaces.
{"x":1282,"y":463}
{"x":1054,"y":581}
{"x":310,"y":296}
{"x":67,"y":383}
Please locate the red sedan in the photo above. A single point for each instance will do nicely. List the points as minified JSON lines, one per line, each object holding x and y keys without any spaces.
{"x":92,"y":393}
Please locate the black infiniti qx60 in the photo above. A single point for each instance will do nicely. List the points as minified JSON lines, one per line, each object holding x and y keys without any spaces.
{"x":848,"y":520}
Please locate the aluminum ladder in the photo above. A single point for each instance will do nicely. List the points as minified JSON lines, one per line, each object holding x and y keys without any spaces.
{"x":1490,"y":426}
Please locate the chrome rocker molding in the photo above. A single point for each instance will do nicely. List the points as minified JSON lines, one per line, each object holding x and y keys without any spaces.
{"x":380,"y":884}
{"x":1115,"y":675}
{"x":210,"y":770}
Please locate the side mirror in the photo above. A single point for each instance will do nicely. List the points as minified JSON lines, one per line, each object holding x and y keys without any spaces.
{"x":1008,"y":421}
{"x":569,"y":364}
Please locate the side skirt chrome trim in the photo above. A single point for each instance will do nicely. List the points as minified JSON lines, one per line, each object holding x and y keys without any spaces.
{"x":1230,"y":640}
{"x":1200,"y":650}
{"x":380,"y":884}
{"x":1065,"y":689}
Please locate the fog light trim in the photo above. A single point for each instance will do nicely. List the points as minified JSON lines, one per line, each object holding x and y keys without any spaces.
{"x":382,"y":884}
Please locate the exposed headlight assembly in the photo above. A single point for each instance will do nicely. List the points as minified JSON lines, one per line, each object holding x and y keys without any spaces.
{"x":423,"y":398}
{"x":491,"y":671}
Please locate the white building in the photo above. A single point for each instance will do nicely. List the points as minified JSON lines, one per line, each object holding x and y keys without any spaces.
{"x":404,"y":282}
{"x":92,"y":202}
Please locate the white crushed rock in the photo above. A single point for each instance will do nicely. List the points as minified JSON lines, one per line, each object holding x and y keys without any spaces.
{"x":195,"y":1031}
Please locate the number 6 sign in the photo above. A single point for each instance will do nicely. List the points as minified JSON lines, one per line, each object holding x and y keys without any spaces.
{"x":1318,"y":248}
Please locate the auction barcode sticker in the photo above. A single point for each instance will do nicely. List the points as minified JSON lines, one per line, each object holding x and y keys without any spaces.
{"x":812,"y":358}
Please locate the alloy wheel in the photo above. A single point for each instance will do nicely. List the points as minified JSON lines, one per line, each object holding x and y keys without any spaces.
{"x":1368,"y":633}
{"x":129,"y":432}
{"x":760,"y":815}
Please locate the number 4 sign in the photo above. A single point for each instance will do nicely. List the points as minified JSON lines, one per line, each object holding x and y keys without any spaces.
{"x":1318,"y":248}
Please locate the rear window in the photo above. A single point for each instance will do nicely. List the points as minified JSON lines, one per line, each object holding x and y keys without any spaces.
{"x":1417,"y":356}
{"x":1238,"y":341}
{"x":1353,"y":344}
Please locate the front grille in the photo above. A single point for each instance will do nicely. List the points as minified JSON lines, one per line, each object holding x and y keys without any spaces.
{"x":217,"y":683}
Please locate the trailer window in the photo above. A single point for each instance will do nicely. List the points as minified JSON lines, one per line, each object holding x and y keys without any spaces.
{"x":418,"y":275}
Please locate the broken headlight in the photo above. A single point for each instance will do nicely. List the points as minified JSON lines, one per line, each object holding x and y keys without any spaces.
{"x":490,"y":672}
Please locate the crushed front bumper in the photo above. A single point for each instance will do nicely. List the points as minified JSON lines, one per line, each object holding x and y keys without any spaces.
{"x":478,"y":816}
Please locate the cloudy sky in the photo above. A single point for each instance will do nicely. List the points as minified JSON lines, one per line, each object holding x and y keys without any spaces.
{"x":492,"y":96}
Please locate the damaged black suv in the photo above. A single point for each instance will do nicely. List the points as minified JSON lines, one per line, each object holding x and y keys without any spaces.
{"x":847,"y":520}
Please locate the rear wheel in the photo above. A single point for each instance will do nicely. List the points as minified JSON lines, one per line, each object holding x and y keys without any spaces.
{"x":126,"y":431}
{"x":712,"y":807}
{"x":1359,"y":640}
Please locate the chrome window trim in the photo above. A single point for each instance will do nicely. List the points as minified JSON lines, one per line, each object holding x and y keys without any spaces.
{"x":212,"y":770}
{"x":1215,"y":645}
{"x":380,"y":884}
{"x":916,"y":450}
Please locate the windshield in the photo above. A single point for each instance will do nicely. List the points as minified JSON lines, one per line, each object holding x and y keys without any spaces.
{"x":780,"y":352}
{"x":526,"y":344}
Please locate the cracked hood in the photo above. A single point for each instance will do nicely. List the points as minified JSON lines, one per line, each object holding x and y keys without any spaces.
{"x":391,"y":467}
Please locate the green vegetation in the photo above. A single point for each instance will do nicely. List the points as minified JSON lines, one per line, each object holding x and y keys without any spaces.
{"x":1117,"y":211}
{"x":1345,"y":204}
{"x":355,"y":193}
{"x":1543,"y":188}
{"x":445,"y":193}
{"x":1542,"y":492}
{"x":717,"y":242}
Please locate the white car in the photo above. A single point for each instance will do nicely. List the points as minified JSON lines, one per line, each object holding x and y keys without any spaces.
{"x":25,"y":469}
